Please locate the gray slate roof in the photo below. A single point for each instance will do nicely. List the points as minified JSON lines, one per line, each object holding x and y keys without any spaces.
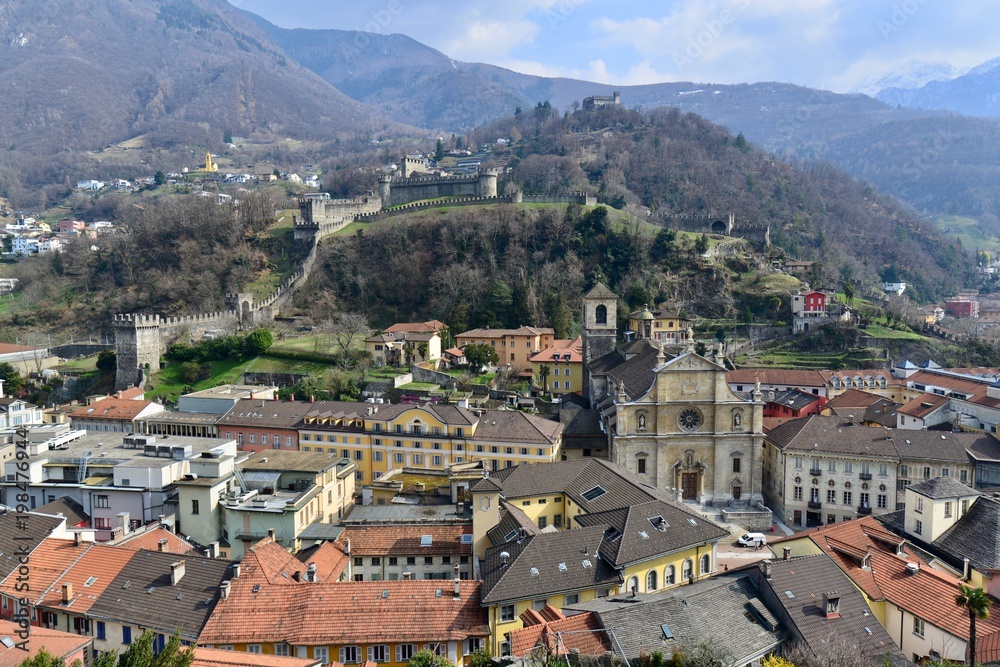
{"x":648,"y":530}
{"x":141,"y":594}
{"x":66,"y":507}
{"x":807,"y":578}
{"x":20,"y":533}
{"x":975,"y":536}
{"x":724,"y":611}
{"x":512,"y":520}
{"x":942,"y":487}
{"x":600,"y":291}
{"x":833,"y":435}
{"x":632,"y":365}
{"x":547,"y":553}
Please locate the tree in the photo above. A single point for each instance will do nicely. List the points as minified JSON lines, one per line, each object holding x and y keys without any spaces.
{"x":481,"y":658}
{"x":977,"y":604}
{"x":45,"y":659}
{"x":160,"y":178}
{"x":348,"y":330}
{"x":849,"y":293}
{"x":741,"y":143}
{"x":776,"y":661}
{"x":107,"y":361}
{"x":701,"y":244}
{"x":258,"y":341}
{"x":12,"y":380}
{"x":543,"y":375}
{"x":479,"y":355}
{"x":439,"y":151}
{"x":427,"y":658}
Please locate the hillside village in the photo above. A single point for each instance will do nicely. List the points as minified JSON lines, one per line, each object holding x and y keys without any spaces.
{"x":650,"y":493}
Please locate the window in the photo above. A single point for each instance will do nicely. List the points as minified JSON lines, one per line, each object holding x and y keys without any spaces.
{"x":651,"y":581}
{"x":377,"y":456}
{"x":348,"y":654}
{"x":918,"y":527}
{"x":418,"y":459}
{"x":797,"y":493}
{"x":255,"y":648}
{"x":543,"y":522}
{"x":194,"y":506}
{"x":253,"y":437}
{"x":848,"y":467}
{"x":399,"y":457}
{"x":904,"y":471}
{"x":102,"y":523}
{"x":358,"y":455}
{"x":737,"y":464}
{"x":411,"y":560}
{"x":641,"y":466}
{"x":831,"y":518}
{"x":831,"y":466}
{"x":947,"y":510}
{"x":126,"y":635}
{"x":920,"y":505}
{"x":377,"y":561}
{"x":378,"y":653}
{"x":669,"y":575}
{"x":927,"y":472}
{"x":965,"y":507}
{"x":848,"y":498}
{"x":831,"y":496}
{"x":321,"y":653}
{"x":263,"y":440}
{"x":594,"y":493}
{"x":428,"y":560}
{"x":798,"y":461}
{"x":883,"y":501}
{"x":405,"y":651}
{"x":437,"y":460}
{"x":281,"y":648}
{"x":687,"y":570}
{"x":101,"y":501}
{"x":963,"y":476}
{"x":359,"y":475}
{"x":102,"y":631}
{"x":706,"y":564}
{"x":507,"y":613}
{"x":918,"y":626}
{"x":393,"y":560}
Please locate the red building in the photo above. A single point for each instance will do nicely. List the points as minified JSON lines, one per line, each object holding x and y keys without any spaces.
{"x":961,"y":307}
{"x":792,"y":404}
{"x":809,"y":302}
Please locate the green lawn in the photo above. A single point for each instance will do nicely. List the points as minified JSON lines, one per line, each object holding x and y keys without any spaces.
{"x":168,"y":385}
{"x":418,"y":386}
{"x":82,"y":365}
{"x":324,"y":343}
{"x":879,"y":331}
{"x":967,"y":231}
{"x":484,"y":379}
{"x":267,"y":364}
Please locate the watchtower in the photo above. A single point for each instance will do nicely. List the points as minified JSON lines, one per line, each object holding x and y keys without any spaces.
{"x":488,"y":182}
{"x":600,"y":322}
{"x":384,"y":189}
{"x":137,"y":348}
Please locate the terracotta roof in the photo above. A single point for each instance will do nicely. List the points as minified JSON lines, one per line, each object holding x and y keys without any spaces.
{"x":888,"y":579}
{"x":48,"y":563}
{"x":57,"y":643}
{"x":366,"y":611}
{"x":130,"y":394}
{"x":150,"y":540}
{"x":406,"y":540}
{"x":116,"y":409}
{"x":923,"y":405}
{"x":580,"y":633}
{"x":456,"y":352}
{"x":97,"y":566}
{"x":329,"y":559}
{"x":213,"y":657}
{"x":500,"y":333}
{"x":776,"y":376}
{"x":10,"y":348}
{"x":547,"y":355}
{"x":433,"y":326}
{"x":514,"y":426}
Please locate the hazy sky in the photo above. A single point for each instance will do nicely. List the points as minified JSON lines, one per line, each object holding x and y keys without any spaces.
{"x":832,"y":44}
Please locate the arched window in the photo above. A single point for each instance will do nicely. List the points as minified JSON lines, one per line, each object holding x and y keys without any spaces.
{"x":706,"y":564}
{"x":688,"y":569}
{"x":601,"y":314}
{"x":669,"y":575}
{"x":633,"y":584}
{"x":651,"y":581}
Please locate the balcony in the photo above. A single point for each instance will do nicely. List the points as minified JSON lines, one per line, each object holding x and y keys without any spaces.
{"x":867,"y":476}
{"x":815,"y":472}
{"x":815,"y":504}
{"x":864,"y":510}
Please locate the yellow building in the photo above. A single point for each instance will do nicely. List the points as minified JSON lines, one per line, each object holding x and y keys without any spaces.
{"x":559,"y":369}
{"x":331,"y":623}
{"x":432,"y":437}
{"x":403,"y":348}
{"x":568,"y":532}
{"x":513,"y":346}
{"x":659,"y":325}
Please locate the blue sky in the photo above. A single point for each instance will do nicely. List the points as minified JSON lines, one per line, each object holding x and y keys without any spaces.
{"x":837,"y":45}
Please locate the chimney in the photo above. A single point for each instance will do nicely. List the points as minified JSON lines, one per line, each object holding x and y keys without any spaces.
{"x":347,"y":546}
{"x":311,"y":573}
{"x":966,"y":569}
{"x":224,"y":589}
{"x":767,"y":568}
{"x":912,"y":569}
{"x":77,"y":538}
{"x":786,"y":553}
{"x":831,"y":604}
{"x":161,"y":545}
{"x":176,"y":572}
{"x":271,"y":534}
{"x":236,"y":570}
{"x":67,"y":593}
{"x":123,"y":522}
{"x":213,"y":549}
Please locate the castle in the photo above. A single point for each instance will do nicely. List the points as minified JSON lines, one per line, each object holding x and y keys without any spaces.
{"x":758,"y":234}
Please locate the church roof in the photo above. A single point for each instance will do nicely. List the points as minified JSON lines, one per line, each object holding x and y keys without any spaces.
{"x":632,"y":365}
{"x":600,"y":291}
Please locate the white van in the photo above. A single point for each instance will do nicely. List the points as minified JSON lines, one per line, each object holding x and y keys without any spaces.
{"x":752,"y":540}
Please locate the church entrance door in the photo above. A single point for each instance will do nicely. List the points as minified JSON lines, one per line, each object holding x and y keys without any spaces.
{"x":689,"y":485}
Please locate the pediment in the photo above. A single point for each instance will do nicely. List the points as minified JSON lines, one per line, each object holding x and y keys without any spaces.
{"x":689,"y":361}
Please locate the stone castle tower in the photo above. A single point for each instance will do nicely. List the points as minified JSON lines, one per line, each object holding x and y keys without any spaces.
{"x":137,"y":347}
{"x":600,"y":323}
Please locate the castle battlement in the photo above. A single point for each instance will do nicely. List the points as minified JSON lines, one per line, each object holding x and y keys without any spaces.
{"x":200,"y":318}
{"x":136,"y":319}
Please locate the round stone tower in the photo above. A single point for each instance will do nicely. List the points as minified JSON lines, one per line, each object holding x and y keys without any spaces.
{"x":488,"y":182}
{"x":384,"y":189}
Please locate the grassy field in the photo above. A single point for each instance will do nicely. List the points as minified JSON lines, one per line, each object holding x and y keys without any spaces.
{"x":82,"y":365}
{"x":167,"y":385}
{"x":274,"y":365}
{"x":417,"y":386}
{"x":967,"y":231}
{"x":882,"y":332}
{"x":324,"y":343}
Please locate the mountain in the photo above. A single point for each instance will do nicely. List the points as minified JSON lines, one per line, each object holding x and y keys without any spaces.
{"x":975,"y":93}
{"x":908,"y":76}
{"x":80,"y":74}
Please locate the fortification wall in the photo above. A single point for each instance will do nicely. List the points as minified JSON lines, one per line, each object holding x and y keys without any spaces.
{"x":413,"y":189}
{"x":581,"y":198}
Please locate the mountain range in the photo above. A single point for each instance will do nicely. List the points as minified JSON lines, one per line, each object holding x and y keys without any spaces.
{"x":975,"y":93}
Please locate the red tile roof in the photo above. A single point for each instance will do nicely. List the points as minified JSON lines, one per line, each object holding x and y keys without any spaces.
{"x":213,"y":657}
{"x":853,"y":398}
{"x":58,"y":643}
{"x":546,"y":355}
{"x":433,"y":326}
{"x":48,"y":562}
{"x":923,"y":405}
{"x":581,"y":632}
{"x":98,"y":566}
{"x":116,"y":409}
{"x":130,"y":394}
{"x":150,"y":540}
{"x":928,"y":594}
{"x":776,"y":376}
{"x":403,"y":540}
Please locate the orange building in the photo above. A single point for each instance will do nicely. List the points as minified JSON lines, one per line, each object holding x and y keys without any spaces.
{"x":513,"y":346}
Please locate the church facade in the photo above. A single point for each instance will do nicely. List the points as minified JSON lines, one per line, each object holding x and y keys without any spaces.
{"x":672,"y":419}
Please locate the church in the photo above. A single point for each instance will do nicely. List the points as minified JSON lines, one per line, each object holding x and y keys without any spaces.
{"x":669,"y":414}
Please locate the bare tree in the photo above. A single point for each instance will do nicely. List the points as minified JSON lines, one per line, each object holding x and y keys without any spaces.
{"x":348,"y":331}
